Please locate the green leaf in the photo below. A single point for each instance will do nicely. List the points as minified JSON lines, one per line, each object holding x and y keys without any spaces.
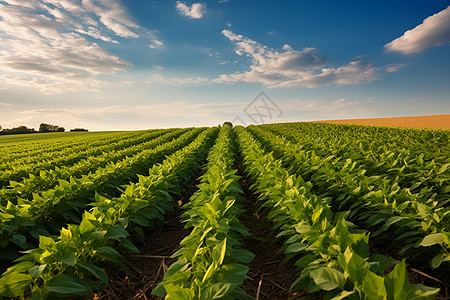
{"x":36,"y":271}
{"x":243,"y":256}
{"x":317,"y":213}
{"x":354,"y":265}
{"x":373,"y":287}
{"x":432,"y":239}
{"x":14,"y":284}
{"x":177,"y":293}
{"x":382,"y":263}
{"x":436,"y":261}
{"x":420,"y":292}
{"x":443,"y":168}
{"x":96,"y":271}
{"x":46,"y":243}
{"x":305,"y":260}
{"x":217,"y":291}
{"x":116,"y":232}
{"x":296,"y":248}
{"x":391,"y":221}
{"x":129,"y":246}
{"x":219,"y":251}
{"x":343,"y":295}
{"x":328,"y":279}
{"x":86,"y":226}
{"x":18,"y":239}
{"x":110,"y":254}
{"x":69,"y":258}
{"x":396,"y":282}
{"x":209,"y":272}
{"x":67,"y":285}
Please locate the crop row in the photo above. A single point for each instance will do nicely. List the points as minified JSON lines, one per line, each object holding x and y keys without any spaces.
{"x":210,"y":259}
{"x":419,"y":158}
{"x":22,"y":223}
{"x":70,"y":264}
{"x":419,"y":221}
{"x":48,"y":147}
{"x":334,"y":257}
{"x":47,"y":179}
{"x":20,"y":168}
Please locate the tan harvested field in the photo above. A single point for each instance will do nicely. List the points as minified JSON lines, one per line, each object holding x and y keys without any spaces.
{"x":436,"y":121}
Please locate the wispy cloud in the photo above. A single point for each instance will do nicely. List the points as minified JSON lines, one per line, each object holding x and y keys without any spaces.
{"x":47,"y":44}
{"x":5,"y":104}
{"x":195,"y":11}
{"x":434,"y":31}
{"x":322,"y":110}
{"x":395,"y":67}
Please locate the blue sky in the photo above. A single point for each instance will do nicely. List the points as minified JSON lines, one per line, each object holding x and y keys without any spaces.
{"x":119,"y":65}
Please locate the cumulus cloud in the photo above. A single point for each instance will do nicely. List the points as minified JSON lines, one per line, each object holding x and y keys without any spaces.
{"x":434,"y":31}
{"x":51,"y":44}
{"x":195,"y":11}
{"x":289,"y":67}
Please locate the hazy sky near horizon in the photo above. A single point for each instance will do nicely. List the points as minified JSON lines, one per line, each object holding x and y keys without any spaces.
{"x":119,"y":65}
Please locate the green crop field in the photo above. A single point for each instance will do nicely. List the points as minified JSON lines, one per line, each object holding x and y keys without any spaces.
{"x":275,"y":211}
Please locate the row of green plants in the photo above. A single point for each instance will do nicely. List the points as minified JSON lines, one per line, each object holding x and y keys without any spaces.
{"x":70,"y":264}
{"x":20,"y":168}
{"x":21,"y":224}
{"x":108,"y":154}
{"x":332,"y":255}
{"x":49,"y":147}
{"x":417,"y":220}
{"x":419,"y":157}
{"x":210,"y":261}
{"x":365,"y":139}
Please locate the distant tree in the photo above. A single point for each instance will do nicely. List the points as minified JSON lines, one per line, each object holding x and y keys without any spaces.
{"x":18,"y":130}
{"x":229,"y":124}
{"x":50,"y":128}
{"x":79,"y":129}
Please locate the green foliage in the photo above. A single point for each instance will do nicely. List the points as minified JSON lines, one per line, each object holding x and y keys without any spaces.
{"x":333,"y":257}
{"x":43,"y":127}
{"x":390,"y":189}
{"x":70,"y":264}
{"x":210,"y":258}
{"x":27,"y":219}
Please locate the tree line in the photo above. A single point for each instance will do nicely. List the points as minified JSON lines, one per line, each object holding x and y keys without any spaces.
{"x":43,"y":127}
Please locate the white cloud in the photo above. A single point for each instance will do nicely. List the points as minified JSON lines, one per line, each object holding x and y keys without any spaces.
{"x":156,"y":44}
{"x":195,"y":11}
{"x":113,"y":15}
{"x":434,"y":31}
{"x":47,"y":44}
{"x":395,"y":67}
{"x":5,"y":104}
{"x":290,"y":67}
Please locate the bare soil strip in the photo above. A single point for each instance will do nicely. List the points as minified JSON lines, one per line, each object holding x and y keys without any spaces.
{"x":431,"y":122}
{"x":271,"y":276}
{"x":146,"y":269}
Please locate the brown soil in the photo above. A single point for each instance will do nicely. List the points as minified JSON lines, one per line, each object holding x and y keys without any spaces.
{"x":271,"y":276}
{"x":146,"y":269}
{"x":432,"y":122}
